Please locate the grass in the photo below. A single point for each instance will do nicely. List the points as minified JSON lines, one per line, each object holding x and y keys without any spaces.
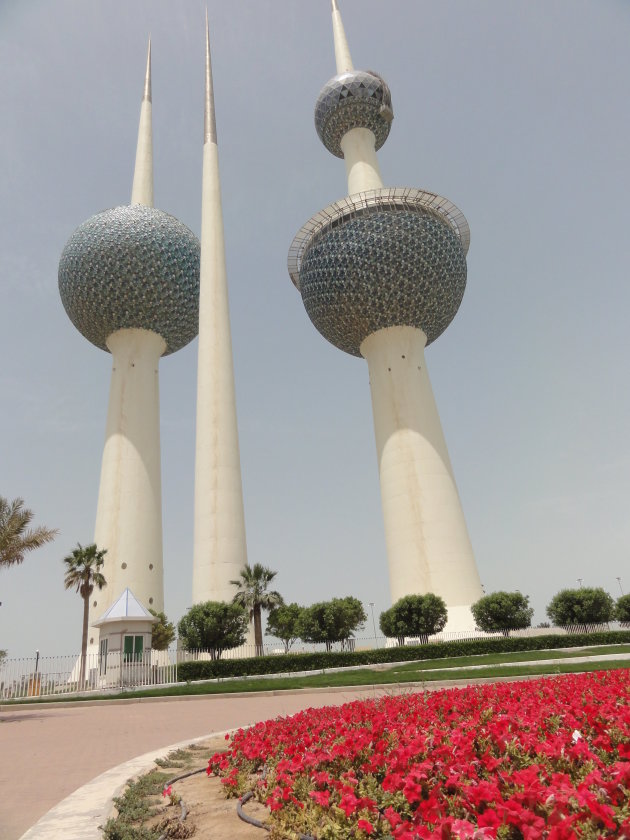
{"x":518,"y":656}
{"x":135,"y":807}
{"x":141,"y":811}
{"x":434,"y":670}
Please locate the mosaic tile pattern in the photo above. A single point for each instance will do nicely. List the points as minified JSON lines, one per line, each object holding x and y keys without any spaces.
{"x":383,"y":268}
{"x":358,"y":99}
{"x":132,"y":266}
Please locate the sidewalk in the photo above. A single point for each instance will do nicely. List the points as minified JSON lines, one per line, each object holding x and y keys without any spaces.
{"x":46,"y":754}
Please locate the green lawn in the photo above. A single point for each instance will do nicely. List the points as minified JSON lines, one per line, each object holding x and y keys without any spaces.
{"x":524,"y":663}
{"x":518,"y":656}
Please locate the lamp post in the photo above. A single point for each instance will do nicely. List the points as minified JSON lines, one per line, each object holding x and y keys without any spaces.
{"x":374,"y":623}
{"x":619,"y":582}
{"x":579,"y":580}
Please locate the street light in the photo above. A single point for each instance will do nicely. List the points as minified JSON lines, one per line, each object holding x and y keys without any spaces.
{"x":619,"y":582}
{"x":373,"y":623}
{"x":579,"y":580}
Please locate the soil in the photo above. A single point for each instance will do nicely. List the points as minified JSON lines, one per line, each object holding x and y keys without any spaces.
{"x":210,"y":815}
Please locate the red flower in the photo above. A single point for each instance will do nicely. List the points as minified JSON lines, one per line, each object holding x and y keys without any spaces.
{"x":493,"y":755}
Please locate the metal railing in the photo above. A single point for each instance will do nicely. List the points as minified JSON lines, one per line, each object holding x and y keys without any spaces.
{"x":59,"y":675}
{"x":48,"y":676}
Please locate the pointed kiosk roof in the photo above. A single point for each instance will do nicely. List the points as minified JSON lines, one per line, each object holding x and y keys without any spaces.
{"x":126,"y":608}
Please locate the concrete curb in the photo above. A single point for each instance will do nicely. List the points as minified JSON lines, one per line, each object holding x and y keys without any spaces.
{"x":80,"y":815}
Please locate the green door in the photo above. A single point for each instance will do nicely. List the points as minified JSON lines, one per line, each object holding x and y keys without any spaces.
{"x":133,"y":648}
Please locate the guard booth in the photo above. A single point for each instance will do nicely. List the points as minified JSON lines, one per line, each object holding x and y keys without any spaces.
{"x":125,"y":643}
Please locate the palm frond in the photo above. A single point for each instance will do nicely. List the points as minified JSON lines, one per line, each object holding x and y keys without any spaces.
{"x":15,"y":539}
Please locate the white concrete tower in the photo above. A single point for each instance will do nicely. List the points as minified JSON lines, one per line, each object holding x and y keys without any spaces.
{"x":382,"y":273}
{"x":128,"y":279}
{"x":220,"y":550}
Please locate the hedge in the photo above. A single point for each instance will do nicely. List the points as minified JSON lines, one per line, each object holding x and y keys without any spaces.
{"x":295,"y":662}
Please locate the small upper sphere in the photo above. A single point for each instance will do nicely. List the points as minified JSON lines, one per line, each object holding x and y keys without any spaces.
{"x":356,"y":99}
{"x":132,"y":266}
{"x":382,"y":268}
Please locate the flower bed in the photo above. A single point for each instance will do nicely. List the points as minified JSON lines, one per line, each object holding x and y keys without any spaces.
{"x":547,"y":758}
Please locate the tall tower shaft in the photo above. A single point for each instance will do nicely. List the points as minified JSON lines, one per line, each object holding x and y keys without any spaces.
{"x":382,"y":274}
{"x":129,"y":510}
{"x":128,"y":278}
{"x":220,"y":550}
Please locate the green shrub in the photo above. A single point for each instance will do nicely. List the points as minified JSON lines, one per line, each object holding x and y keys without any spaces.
{"x":577,"y":608}
{"x":502,"y":612}
{"x":295,"y":662}
{"x":331,"y":621}
{"x":414,"y":615}
{"x":622,"y":609}
{"x":214,"y":626}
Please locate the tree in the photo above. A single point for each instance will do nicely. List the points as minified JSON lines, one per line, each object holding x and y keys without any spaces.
{"x":253,"y":596}
{"x":16,"y":538}
{"x":163,"y":631}
{"x":414,"y":615}
{"x":502,"y":612}
{"x":83,"y":573}
{"x":213,"y":625}
{"x":577,"y":608}
{"x":622,"y":609}
{"x":282,"y":623}
{"x":331,"y":621}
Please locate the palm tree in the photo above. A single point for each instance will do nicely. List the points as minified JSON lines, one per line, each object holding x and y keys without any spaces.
{"x":83,"y":573}
{"x":15,"y":539}
{"x":253,"y":595}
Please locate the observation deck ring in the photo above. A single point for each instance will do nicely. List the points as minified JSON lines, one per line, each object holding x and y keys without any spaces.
{"x":393,"y":198}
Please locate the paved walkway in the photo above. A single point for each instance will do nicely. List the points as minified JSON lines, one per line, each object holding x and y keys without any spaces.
{"x":47,"y":753}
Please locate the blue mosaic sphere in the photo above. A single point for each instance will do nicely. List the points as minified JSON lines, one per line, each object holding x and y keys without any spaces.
{"x":382,"y":267}
{"x":356,"y":99}
{"x":132,"y":266}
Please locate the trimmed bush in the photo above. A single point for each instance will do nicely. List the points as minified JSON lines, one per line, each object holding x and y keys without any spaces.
{"x":622,"y":609}
{"x":414,"y":615}
{"x":577,"y":608}
{"x":295,"y":662}
{"x":502,"y":612}
{"x":214,"y":626}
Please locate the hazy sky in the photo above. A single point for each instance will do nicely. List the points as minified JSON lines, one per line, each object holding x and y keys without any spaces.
{"x":515,"y":111}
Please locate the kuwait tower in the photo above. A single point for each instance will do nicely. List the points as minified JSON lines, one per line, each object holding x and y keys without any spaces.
{"x":382,"y":273}
{"x":129,"y":281}
{"x":220,"y":550}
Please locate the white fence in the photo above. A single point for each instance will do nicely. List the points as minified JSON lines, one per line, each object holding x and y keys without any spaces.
{"x":58,"y":675}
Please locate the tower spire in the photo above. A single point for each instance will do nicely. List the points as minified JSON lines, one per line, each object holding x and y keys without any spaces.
{"x":220,"y":551}
{"x":142,"y":190}
{"x":386,"y":315}
{"x":209,"y":119}
{"x":342,"y":50}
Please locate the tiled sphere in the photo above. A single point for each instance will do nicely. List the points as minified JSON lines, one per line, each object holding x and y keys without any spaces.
{"x":132,"y":266}
{"x":382,"y":268}
{"x":357,"y":99}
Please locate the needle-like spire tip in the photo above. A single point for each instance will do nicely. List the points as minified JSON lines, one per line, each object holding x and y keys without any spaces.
{"x":209,"y":121}
{"x":147,"y":78}
{"x":142,"y":189}
{"x":343,"y":58}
